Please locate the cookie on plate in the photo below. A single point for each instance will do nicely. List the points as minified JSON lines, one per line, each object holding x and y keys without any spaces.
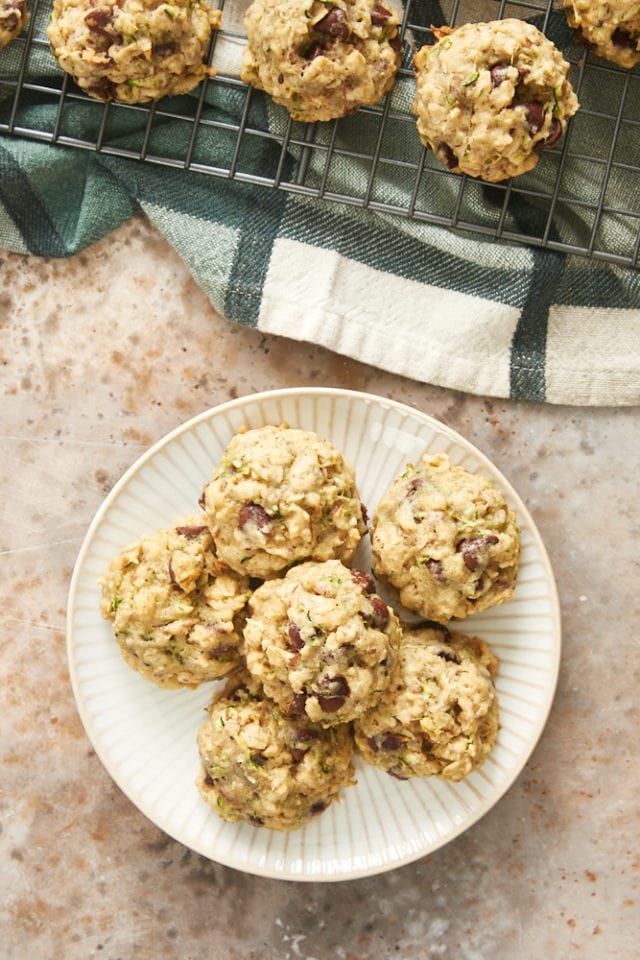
{"x":13,"y":17}
{"x":133,"y":51}
{"x":322,"y":60}
{"x":321,"y":642}
{"x":176,"y":610}
{"x":446,"y":540}
{"x":491,"y":96}
{"x":280,"y":496}
{"x":439,"y":716}
{"x":270,"y":770}
{"x":610,"y":30}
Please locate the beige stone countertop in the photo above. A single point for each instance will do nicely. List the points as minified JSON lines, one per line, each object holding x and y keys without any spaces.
{"x":103,"y":354}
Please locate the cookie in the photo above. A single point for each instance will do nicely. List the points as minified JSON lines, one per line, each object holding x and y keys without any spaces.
{"x":13,"y":17}
{"x":491,"y":96}
{"x":321,"y":642}
{"x":176,"y":610}
{"x":321,"y":60}
{"x":610,"y":30}
{"x":133,"y":51}
{"x":439,"y":716}
{"x":280,"y":496}
{"x":446,"y":540}
{"x":267,"y":769}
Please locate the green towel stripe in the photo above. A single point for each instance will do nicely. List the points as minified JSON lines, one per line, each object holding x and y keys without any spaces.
{"x":39,"y":232}
{"x":529,"y":343}
{"x":586,"y":284}
{"x":263,"y":212}
{"x":363,"y":237}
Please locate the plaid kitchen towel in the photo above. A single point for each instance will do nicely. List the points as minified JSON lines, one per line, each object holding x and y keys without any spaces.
{"x":434,"y":305}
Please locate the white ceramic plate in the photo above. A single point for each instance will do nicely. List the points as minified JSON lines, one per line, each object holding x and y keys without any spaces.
{"x":145,"y":736}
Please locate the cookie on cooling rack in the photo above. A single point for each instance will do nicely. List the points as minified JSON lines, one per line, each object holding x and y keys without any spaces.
{"x":279,"y":496}
{"x":322,"y":60}
{"x":490,"y":96}
{"x":439,"y":715}
{"x":176,"y":610}
{"x":446,"y":540}
{"x":13,"y":17}
{"x":133,"y":51}
{"x":270,"y":770}
{"x":610,"y":30}
{"x":321,"y":642}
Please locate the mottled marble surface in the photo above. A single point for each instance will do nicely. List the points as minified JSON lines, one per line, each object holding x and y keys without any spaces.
{"x":100,"y":356}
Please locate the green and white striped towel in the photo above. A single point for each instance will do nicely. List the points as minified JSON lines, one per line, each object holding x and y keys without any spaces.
{"x":418,"y":300}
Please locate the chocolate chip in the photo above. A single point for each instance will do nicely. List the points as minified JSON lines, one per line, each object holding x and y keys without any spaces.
{"x":389,"y":742}
{"x":10,"y":23}
{"x":552,"y":139}
{"x":296,"y":707}
{"x":620,"y":38}
{"x":449,"y":655}
{"x":379,"y":15}
{"x":318,"y":807}
{"x":295,"y":638}
{"x":436,"y":570}
{"x":395,"y":43}
{"x":398,"y":773}
{"x":172,"y":575}
{"x":103,"y":89}
{"x":330,"y":704}
{"x":304,"y":736}
{"x":190,"y":532}
{"x":258,"y":760}
{"x":365,"y":515}
{"x":99,"y":17}
{"x":499,"y":74}
{"x":165,"y":49}
{"x":373,"y":743}
{"x":446,"y":154}
{"x":334,"y":24}
{"x":363,"y":579}
{"x":535,"y":114}
{"x":256,"y":821}
{"x":380,"y":612}
{"x":222,"y":650}
{"x":332,"y":693}
{"x":315,"y":50}
{"x":254,"y":513}
{"x":470,"y":549}
{"x":207,"y":779}
{"x":201,"y":500}
{"x":302,"y":740}
{"x":415,"y":483}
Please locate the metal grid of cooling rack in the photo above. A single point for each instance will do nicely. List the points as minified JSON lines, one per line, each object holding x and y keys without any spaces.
{"x":582,"y":198}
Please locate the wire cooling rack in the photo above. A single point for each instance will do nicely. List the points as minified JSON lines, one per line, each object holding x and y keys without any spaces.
{"x":582,"y":198}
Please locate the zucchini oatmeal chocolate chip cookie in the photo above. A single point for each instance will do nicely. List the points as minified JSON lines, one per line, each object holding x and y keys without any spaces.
{"x":176,"y":610}
{"x":439,"y":716}
{"x":13,"y":17}
{"x":322,"y":60}
{"x":280,"y":496}
{"x":490,"y":96}
{"x":446,"y":540}
{"x":610,"y":30}
{"x":271,"y":770}
{"x":133,"y":50}
{"x":321,"y":642}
